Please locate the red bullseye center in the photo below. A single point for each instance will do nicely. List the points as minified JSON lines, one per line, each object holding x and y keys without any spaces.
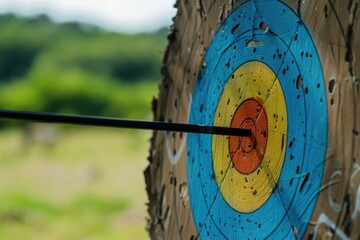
{"x":247,"y":152}
{"x":247,"y":144}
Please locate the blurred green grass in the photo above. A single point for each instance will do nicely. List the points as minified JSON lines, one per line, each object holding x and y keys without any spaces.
{"x":87,"y":185}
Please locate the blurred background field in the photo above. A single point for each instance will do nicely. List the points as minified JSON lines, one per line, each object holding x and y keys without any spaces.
{"x":88,"y":185}
{"x":61,"y":182}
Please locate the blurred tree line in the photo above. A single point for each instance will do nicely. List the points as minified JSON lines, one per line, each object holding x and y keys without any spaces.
{"x":77,"y":68}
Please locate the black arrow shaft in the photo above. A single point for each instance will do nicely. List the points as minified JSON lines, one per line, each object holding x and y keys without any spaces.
{"x":121,"y":123}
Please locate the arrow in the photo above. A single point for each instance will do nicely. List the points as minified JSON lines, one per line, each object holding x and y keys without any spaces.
{"x":122,"y":123}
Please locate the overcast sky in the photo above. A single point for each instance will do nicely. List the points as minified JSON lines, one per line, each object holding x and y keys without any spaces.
{"x":118,"y":15}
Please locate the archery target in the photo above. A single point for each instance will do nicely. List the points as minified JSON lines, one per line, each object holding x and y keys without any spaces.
{"x":262,"y":72}
{"x":253,"y":163}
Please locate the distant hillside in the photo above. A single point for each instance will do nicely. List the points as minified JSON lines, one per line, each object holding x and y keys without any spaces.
{"x":32,"y":44}
{"x":77,"y":68}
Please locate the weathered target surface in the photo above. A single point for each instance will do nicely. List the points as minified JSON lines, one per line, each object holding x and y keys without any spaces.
{"x":262,"y":73}
{"x":287,"y":70}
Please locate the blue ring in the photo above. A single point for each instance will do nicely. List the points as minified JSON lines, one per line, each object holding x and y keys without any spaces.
{"x":286,"y":45}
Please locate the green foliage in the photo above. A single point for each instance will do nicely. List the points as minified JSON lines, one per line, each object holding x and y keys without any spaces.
{"x":76,"y":68}
{"x":78,"y":92}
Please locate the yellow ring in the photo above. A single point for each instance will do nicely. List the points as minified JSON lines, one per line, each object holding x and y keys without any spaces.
{"x":248,"y":192}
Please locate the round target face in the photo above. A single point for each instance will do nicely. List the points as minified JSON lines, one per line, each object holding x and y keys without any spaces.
{"x":262,"y":72}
